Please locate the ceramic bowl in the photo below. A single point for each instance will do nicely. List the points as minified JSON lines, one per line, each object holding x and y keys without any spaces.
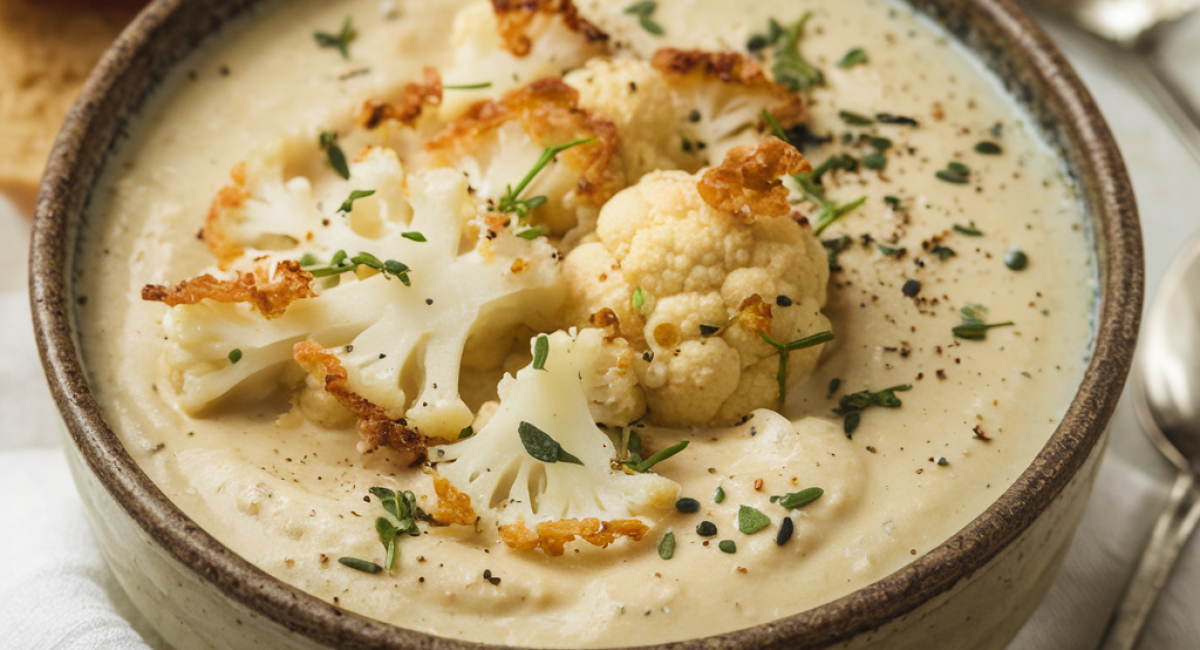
{"x":973,"y":591}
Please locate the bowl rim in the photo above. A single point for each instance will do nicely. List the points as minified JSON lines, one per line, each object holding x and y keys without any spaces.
{"x":72,"y":173}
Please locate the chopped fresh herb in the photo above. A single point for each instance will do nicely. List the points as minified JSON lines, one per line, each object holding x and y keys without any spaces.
{"x":355,"y":195}
{"x":511,"y":202}
{"x":341,"y":40}
{"x":484,"y":84}
{"x":834,"y":247}
{"x":801,"y":136}
{"x":638,"y":300}
{"x":708,"y":330}
{"x":997,"y":130}
{"x":784,"y":350}
{"x":973,"y":327}
{"x":641,"y":467}
{"x":756,"y":43}
{"x":644,"y":10}
{"x":911,"y":288}
{"x":727,"y":546}
{"x":541,"y":350}
{"x":857,"y":56}
{"x":541,"y":446}
{"x":988,"y":149}
{"x":942,"y":252}
{"x":235,"y":355}
{"x":1016,"y":259}
{"x":774,"y":125}
{"x":308,"y":259}
{"x":361,"y":565}
{"x":719,"y":495}
{"x":467,"y":432}
{"x":952,"y":177}
{"x":342,"y":264}
{"x":790,"y":69}
{"x":881,"y":144}
{"x":888,"y":118}
{"x":844,"y":162}
{"x":834,"y":385}
{"x":970,"y":231}
{"x":706,"y":529}
{"x":532,"y":233}
{"x":855,"y":119}
{"x":889,"y":250}
{"x":793,"y":500}
{"x":893,"y":202}
{"x":786,"y":527}
{"x":337,"y":157}
{"x":415,"y":236}
{"x":875,"y":161}
{"x":942,"y":462}
{"x":666,"y":546}
{"x":958,"y":168}
{"x":853,"y":404}
{"x":687,"y":506}
{"x":751,"y":520}
{"x":831,"y":212}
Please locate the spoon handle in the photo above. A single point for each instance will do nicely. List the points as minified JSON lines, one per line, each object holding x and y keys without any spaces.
{"x":1158,"y":86}
{"x":1174,"y":526}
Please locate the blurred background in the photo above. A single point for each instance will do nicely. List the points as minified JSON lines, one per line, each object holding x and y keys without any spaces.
{"x":47,"y":48}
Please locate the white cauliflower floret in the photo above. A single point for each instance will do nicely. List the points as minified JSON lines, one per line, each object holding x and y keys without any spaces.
{"x":508,"y":43}
{"x":544,"y":504}
{"x":401,"y":346}
{"x":709,"y":282}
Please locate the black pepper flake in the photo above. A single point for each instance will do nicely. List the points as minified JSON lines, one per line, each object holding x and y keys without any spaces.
{"x":708,"y":330}
{"x":487,"y":575}
{"x":942,"y":462}
{"x":694,"y":116}
{"x":911,"y":288}
{"x":785,"y":531}
{"x":783,"y":301}
{"x":429,"y":301}
{"x":706,"y":529}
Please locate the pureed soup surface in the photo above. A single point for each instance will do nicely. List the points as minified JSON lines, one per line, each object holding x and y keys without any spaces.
{"x":291,"y":496}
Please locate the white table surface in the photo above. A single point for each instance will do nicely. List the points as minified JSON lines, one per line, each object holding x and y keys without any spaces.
{"x":1132,"y":483}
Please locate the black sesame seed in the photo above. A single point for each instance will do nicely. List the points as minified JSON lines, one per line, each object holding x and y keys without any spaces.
{"x":785,"y":531}
{"x":706,"y":529}
{"x":783,"y":301}
{"x":911,"y":288}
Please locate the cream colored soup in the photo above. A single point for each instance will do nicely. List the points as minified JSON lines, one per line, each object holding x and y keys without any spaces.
{"x":289,"y":496}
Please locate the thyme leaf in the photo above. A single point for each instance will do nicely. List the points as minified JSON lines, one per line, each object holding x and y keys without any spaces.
{"x":783,"y":349}
{"x":341,"y":40}
{"x":541,"y":446}
{"x":511,"y":202}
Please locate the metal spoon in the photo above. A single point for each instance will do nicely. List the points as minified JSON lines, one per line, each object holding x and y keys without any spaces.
{"x":1136,"y":28}
{"x":1166,"y":391}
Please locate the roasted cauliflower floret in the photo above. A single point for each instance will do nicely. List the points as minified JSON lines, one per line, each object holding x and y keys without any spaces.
{"x":541,"y":470}
{"x":509,"y":43}
{"x":695,"y":287}
{"x":497,"y":142}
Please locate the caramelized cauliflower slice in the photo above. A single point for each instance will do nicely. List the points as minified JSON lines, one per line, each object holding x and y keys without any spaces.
{"x":508,"y":43}
{"x":269,"y":289}
{"x":711,"y":282}
{"x":540,"y":504}
{"x":400,"y":346}
{"x":408,"y":108}
{"x":497,"y":142}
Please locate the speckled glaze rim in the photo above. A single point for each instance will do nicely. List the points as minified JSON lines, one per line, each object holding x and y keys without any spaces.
{"x":1008,"y":42}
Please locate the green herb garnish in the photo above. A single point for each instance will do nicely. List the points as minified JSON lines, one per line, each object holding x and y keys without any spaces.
{"x":790,"y":69}
{"x":834,"y":248}
{"x":643,"y":466}
{"x":337,"y":157}
{"x":308,"y":259}
{"x":888,"y":118}
{"x":341,"y":263}
{"x":810,"y":185}
{"x":875,"y":161}
{"x":973,"y":327}
{"x":942,"y":462}
{"x":415,"y":236}
{"x":774,"y":125}
{"x":970,"y":231}
{"x":666,"y":546}
{"x":467,"y":432}
{"x":638,"y":300}
{"x":355,"y":195}
{"x":541,"y":446}
{"x":853,"y":404}
{"x":784,"y":350}
{"x":485,"y":84}
{"x":943,"y":252}
{"x":235,"y":355}
{"x":988,"y":149}
{"x":956,"y":173}
{"x":401,"y":514}
{"x":541,"y":350}
{"x":719,"y":495}
{"x":687,"y":506}
{"x":857,"y":56}
{"x":706,"y":529}
{"x":893,"y":202}
{"x":532,"y":233}
{"x":340,"y":40}
{"x":793,"y":500}
{"x":751,"y":521}
{"x":855,"y":119}
{"x":522,"y":207}
{"x":727,"y":546}
{"x":644,"y":10}
{"x":361,"y":565}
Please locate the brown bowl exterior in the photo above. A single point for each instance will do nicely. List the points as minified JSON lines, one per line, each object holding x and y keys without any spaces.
{"x":202,"y":595}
